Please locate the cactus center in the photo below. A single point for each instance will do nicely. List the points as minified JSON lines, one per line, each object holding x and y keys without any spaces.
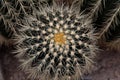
{"x":59,"y":38}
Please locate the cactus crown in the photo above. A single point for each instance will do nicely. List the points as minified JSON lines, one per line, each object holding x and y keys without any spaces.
{"x":56,"y":44}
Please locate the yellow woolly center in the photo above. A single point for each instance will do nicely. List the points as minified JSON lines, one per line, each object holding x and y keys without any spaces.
{"x":59,"y":38}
